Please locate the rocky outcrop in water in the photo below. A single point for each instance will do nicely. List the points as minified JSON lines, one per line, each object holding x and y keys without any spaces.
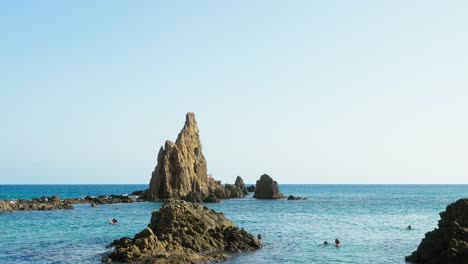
{"x":43,"y":203}
{"x":251,"y":188}
{"x":241,"y":185}
{"x":111,"y":199}
{"x":295,"y":198}
{"x":183,"y":232}
{"x":181,"y":171}
{"x":56,"y":203}
{"x":236,"y":190}
{"x":267,"y":188}
{"x":449,"y":242}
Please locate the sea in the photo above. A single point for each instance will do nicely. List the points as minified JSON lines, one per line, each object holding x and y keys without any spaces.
{"x":369,"y":220}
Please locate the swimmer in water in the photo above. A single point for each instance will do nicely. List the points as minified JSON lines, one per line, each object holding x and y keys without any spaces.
{"x":337,"y":242}
{"x":112,"y":222}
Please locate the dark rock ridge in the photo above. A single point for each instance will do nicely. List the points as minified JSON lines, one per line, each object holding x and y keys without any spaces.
{"x":56,"y":203}
{"x":449,"y":242}
{"x":292,"y":197}
{"x":111,"y":199}
{"x":181,"y":170}
{"x":251,"y":188}
{"x":183,"y":232}
{"x":267,"y":188}
{"x":43,"y":203}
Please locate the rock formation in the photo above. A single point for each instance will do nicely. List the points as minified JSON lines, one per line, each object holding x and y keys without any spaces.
{"x":183,"y":232}
{"x":241,"y":185}
{"x":181,"y":171}
{"x":238,"y":189}
{"x":251,"y":188}
{"x":56,"y":203}
{"x":267,"y":188}
{"x":111,"y":199}
{"x":43,"y":203}
{"x":449,"y":242}
{"x":292,"y":197}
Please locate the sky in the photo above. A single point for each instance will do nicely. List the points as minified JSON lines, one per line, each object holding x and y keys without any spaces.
{"x":339,"y":92}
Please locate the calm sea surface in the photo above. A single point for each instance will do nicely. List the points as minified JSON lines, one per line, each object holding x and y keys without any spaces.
{"x":369,"y":220}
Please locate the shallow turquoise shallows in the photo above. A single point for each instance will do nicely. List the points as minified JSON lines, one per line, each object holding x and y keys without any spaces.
{"x":369,"y":220}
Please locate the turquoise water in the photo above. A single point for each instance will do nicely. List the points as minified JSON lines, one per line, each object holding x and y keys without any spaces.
{"x":369,"y":220}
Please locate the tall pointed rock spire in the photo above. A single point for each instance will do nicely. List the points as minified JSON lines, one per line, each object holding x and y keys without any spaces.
{"x":181,"y":169}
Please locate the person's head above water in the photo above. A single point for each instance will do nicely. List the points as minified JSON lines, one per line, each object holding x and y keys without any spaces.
{"x":325,"y":242}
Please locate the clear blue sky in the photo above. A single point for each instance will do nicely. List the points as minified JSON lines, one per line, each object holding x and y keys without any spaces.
{"x":306,"y":91}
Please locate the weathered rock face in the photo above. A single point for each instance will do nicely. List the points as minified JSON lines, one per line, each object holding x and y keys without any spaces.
{"x":267,"y":188}
{"x":183,"y":232}
{"x":449,"y":242}
{"x":181,"y":172}
{"x":181,"y":168}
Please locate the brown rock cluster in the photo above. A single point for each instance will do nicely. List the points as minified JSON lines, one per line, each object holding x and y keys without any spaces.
{"x":448,"y":243}
{"x":183,"y":232}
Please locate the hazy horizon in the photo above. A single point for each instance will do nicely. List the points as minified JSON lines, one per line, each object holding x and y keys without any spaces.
{"x":309,"y":92}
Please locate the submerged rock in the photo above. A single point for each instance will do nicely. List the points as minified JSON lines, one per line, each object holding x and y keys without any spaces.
{"x":267,"y":188}
{"x":449,"y":242}
{"x":184,"y":232}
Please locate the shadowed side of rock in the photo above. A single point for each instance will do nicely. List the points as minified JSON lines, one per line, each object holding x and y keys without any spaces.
{"x":449,"y":242}
{"x":184,"y":232}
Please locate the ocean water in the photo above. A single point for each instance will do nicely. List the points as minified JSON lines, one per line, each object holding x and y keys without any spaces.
{"x":369,"y":220}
